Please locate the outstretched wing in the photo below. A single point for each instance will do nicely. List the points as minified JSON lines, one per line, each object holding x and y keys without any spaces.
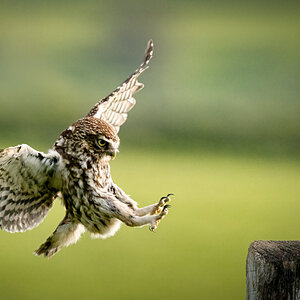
{"x":113,"y":109}
{"x":27,"y":186}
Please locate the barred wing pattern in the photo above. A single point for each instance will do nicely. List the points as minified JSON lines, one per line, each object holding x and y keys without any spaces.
{"x":113,"y":109}
{"x":26,"y":186}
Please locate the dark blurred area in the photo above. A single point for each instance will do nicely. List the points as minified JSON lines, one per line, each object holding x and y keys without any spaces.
{"x":224,"y":75}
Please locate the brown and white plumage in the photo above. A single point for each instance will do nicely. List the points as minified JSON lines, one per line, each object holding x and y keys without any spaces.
{"x":27,"y":186}
{"x":76,"y":170}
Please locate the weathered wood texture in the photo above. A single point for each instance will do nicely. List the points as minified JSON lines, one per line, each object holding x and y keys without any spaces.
{"x":273,"y":270}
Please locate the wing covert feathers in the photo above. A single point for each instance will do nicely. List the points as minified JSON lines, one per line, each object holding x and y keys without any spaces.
{"x":113,"y":109}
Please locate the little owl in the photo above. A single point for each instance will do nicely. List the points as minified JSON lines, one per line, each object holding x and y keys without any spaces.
{"x":77,"y":171}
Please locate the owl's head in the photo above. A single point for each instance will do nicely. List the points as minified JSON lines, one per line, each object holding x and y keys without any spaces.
{"x":89,"y":138}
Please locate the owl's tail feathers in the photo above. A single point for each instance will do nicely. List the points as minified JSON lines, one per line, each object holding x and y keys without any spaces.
{"x":68,"y":232}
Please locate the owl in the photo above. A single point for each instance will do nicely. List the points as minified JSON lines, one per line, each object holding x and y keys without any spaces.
{"x":76,"y":170}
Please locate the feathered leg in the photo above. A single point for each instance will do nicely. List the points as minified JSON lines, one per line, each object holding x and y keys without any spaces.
{"x":129,"y":216}
{"x":65,"y":234}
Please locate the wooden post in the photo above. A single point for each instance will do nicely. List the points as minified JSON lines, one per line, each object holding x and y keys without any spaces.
{"x":273,"y":270}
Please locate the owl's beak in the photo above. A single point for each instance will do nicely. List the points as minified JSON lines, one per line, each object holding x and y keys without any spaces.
{"x":113,"y":155}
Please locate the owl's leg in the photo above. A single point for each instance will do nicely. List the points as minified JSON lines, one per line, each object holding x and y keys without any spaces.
{"x":130,"y":218}
{"x":65,"y":234}
{"x":154,"y":208}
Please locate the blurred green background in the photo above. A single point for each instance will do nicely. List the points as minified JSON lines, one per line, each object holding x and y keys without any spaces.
{"x":217,"y":124}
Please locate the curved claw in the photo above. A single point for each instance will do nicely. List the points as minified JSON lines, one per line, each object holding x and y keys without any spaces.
{"x":166,"y":197}
{"x":164,"y":210}
{"x":151,"y":228}
{"x":166,"y":207}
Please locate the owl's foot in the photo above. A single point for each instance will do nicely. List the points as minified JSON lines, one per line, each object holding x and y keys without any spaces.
{"x":145,"y":215}
{"x":161,"y":204}
{"x":159,"y":217}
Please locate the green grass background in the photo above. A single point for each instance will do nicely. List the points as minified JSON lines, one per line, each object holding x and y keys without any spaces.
{"x":217,"y":125}
{"x":222,"y":204}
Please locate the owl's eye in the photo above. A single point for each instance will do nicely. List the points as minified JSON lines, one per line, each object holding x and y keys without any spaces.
{"x":102,"y":143}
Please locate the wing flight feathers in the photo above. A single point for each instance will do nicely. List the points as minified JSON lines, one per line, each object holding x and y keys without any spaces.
{"x":113,"y":109}
{"x":26,"y":186}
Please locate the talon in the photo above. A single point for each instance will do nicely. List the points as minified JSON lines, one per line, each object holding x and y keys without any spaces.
{"x":151,"y":228}
{"x":161,"y":204}
{"x":164,"y":200}
{"x":166,"y":207}
{"x":166,"y":197}
{"x":164,"y":210}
